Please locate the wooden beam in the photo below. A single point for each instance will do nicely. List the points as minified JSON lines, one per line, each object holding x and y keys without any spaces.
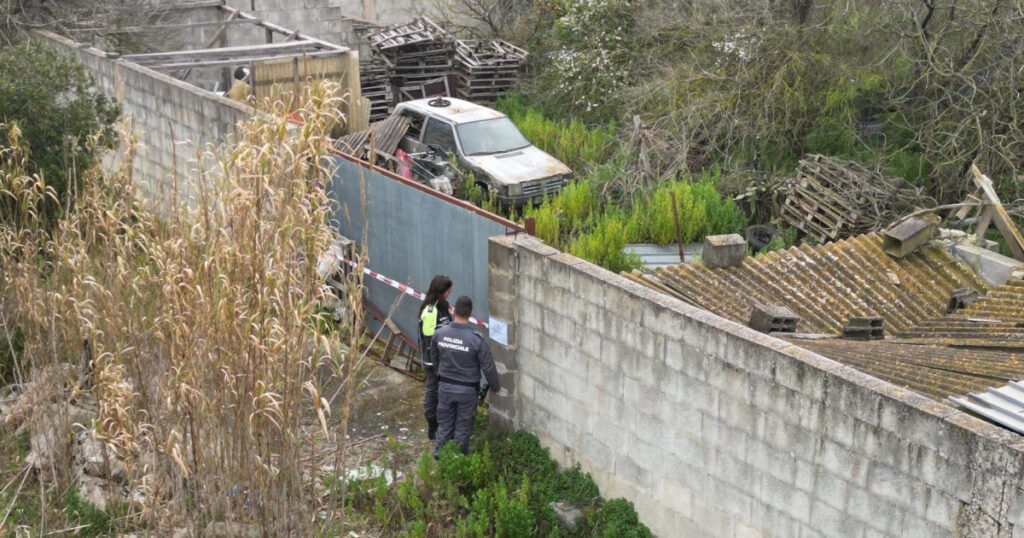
{"x":161,"y":27}
{"x":224,"y":53}
{"x":998,"y":214}
{"x":235,"y":61}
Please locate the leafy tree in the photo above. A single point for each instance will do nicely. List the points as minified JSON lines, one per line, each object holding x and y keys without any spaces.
{"x":55,"y":105}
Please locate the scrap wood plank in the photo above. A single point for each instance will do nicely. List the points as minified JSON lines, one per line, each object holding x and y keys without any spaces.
{"x":1002,"y":220}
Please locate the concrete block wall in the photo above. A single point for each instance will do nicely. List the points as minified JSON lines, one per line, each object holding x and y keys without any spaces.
{"x":331,"y":20}
{"x":712,"y":429}
{"x":172,"y":119}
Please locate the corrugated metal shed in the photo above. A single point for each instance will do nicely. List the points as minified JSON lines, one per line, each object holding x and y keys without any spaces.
{"x":933,"y":370}
{"x":652,"y":255}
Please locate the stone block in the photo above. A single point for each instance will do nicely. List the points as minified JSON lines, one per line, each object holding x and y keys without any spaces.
{"x":992,"y":267}
{"x":723,"y":250}
{"x":566,"y":513}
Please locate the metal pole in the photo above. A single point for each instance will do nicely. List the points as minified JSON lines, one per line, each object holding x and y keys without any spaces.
{"x":679,"y":231}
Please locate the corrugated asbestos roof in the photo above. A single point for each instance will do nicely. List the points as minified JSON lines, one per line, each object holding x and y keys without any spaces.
{"x":995,"y":321}
{"x":925,"y":350}
{"x":933,"y":370}
{"x":824,"y":285}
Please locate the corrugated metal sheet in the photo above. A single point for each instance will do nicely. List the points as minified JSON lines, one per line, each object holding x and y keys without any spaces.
{"x":385,"y":135}
{"x":824,"y":285}
{"x":652,"y":255}
{"x":410,"y":236}
{"x":1004,"y":406}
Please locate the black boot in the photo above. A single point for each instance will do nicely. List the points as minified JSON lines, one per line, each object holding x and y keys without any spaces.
{"x":431,"y":429}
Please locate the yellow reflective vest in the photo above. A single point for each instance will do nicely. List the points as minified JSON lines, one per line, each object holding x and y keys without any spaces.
{"x":428,"y":321}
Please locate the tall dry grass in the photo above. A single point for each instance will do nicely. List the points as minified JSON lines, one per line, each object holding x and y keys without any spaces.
{"x":196,"y":332}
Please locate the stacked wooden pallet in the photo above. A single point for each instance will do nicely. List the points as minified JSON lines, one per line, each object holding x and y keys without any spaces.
{"x":832,"y":199}
{"x":487,"y":69}
{"x":374,"y":79}
{"x":415,"y":52}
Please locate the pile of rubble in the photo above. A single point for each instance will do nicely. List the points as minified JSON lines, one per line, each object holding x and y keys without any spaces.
{"x":61,"y":436}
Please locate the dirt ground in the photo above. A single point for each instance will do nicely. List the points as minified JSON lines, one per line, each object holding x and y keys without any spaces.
{"x":387,"y":418}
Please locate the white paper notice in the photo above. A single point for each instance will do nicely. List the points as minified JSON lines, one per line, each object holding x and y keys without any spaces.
{"x":498,"y":330}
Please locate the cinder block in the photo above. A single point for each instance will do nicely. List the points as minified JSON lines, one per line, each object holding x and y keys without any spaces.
{"x":597,"y":451}
{"x":872,"y":511}
{"x":735,"y":412}
{"x":603,"y":375}
{"x":590,"y":343}
{"x":830,"y":489}
{"x":631,"y":472}
{"x":785,"y":498}
{"x":830,"y":521}
{"x":888,"y":483}
{"x":800,"y":377}
{"x":722,"y":251}
{"x":559,"y":326}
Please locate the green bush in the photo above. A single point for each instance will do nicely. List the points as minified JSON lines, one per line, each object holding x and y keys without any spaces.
{"x":503,"y":488}
{"x":52,"y":100}
{"x":605,"y":244}
{"x":617,"y":519}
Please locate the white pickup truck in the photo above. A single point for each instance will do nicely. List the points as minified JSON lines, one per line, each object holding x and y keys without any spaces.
{"x":504,"y":163}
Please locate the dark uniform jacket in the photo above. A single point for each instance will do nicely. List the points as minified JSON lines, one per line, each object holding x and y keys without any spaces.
{"x":461,"y":354}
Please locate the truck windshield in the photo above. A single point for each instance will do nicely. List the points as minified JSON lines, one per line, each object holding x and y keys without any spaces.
{"x":490,"y":136}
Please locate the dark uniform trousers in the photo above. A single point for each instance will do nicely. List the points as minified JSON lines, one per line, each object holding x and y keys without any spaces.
{"x":456,"y":414}
{"x":430,"y":396}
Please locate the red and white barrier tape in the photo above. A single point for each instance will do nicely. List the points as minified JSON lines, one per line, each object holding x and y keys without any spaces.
{"x":395,"y":284}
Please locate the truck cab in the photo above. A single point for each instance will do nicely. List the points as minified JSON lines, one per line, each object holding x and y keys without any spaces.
{"x":504,"y":163}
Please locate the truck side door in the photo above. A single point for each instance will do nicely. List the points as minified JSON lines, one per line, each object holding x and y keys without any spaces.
{"x":440,"y":133}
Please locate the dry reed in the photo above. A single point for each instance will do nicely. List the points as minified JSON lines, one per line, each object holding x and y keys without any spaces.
{"x":195,"y":333}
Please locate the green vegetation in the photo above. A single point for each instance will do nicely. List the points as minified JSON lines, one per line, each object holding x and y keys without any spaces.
{"x":52,"y":101}
{"x":504,"y":488}
{"x":605,"y":209}
{"x":570,"y":140}
{"x":909,"y":89}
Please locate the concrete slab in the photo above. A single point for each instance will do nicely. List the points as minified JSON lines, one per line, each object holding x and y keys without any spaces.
{"x":992,"y":267}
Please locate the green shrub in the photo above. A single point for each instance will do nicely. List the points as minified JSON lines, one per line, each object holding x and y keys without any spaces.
{"x":546,"y":222}
{"x":55,"y":105}
{"x":617,"y":519}
{"x":605,"y":244}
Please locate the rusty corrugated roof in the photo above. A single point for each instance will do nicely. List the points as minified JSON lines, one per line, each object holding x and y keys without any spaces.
{"x":925,"y":350}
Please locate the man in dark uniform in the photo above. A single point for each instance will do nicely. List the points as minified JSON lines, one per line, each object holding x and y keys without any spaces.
{"x":462,"y":354}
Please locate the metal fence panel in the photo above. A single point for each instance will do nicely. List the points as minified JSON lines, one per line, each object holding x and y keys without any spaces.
{"x":410,"y":236}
